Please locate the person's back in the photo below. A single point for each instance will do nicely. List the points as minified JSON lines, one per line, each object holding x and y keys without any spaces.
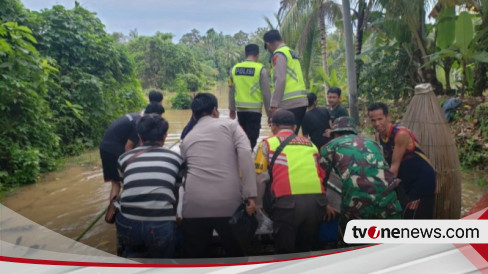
{"x":219,"y":178}
{"x":146,"y":218}
{"x":360,"y":164}
{"x":210,"y":153}
{"x":296,"y":184}
{"x":121,"y":130}
{"x":315,"y":124}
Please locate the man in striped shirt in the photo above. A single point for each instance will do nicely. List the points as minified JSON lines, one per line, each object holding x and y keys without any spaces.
{"x":146,"y":219}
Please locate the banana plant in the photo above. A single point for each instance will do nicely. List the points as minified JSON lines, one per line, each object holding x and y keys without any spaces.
{"x":464,"y":49}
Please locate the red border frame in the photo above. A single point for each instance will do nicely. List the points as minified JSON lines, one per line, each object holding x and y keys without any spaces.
{"x":98,"y":264}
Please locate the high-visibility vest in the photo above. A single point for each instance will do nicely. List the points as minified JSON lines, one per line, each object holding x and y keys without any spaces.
{"x":295,"y":170}
{"x":245,"y":76}
{"x":295,"y":85}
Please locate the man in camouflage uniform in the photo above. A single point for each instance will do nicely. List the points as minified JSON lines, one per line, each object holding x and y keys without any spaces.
{"x":367,"y":184}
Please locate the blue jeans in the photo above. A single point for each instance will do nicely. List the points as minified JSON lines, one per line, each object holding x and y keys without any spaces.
{"x":146,"y":239}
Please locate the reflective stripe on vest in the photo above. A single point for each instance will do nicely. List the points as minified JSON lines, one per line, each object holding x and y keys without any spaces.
{"x":245,"y":76}
{"x":294,"y":86}
{"x":295,"y":169}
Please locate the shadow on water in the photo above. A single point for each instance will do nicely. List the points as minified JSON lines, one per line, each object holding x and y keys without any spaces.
{"x":68,"y":201}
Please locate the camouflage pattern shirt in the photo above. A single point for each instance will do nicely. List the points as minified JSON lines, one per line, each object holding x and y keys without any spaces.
{"x":366,"y":191}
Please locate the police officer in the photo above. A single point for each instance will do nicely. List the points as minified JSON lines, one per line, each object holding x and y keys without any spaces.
{"x":248,"y":90}
{"x":289,"y":88}
{"x":297,"y":185}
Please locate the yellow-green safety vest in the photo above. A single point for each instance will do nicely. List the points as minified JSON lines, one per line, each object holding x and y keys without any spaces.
{"x":298,"y":173}
{"x":245,"y":76}
{"x":295,"y":85}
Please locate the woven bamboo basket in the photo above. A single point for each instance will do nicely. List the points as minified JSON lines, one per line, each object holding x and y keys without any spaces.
{"x":424,"y":117}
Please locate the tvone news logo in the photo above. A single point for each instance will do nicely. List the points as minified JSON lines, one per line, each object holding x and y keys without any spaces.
{"x":416,"y":231}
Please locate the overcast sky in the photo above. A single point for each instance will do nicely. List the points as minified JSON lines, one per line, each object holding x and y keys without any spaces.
{"x":173,"y":16}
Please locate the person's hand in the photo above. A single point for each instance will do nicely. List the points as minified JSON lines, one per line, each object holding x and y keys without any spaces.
{"x":327,"y":133}
{"x":330,"y":213}
{"x":272,"y":110}
{"x":251,"y":206}
{"x":232,"y":114}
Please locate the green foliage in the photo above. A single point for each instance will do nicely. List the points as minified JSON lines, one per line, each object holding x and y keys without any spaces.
{"x":193,"y":84}
{"x":471,"y":152}
{"x":96,"y":83}
{"x":63,"y":80}
{"x":382,"y":74}
{"x":27,"y":130}
{"x":445,"y":27}
{"x":158,"y":61}
{"x":481,"y":115}
{"x":182,"y":100}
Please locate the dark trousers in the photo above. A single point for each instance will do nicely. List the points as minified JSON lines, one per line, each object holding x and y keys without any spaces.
{"x":197,"y":237}
{"x":145,"y":239}
{"x":251,"y":124}
{"x":299,"y":114}
{"x":296,"y":220}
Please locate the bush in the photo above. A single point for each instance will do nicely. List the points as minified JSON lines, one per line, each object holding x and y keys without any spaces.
{"x":181,"y":101}
{"x":193,"y":83}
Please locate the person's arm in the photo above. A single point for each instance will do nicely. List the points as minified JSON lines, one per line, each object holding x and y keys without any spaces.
{"x":129,"y":145}
{"x":306,"y":127}
{"x":402,"y":140}
{"x":246,"y":167}
{"x":326,"y":161}
{"x":279,"y":66}
{"x":133,"y":139}
{"x":232,"y":99}
{"x":264,"y":84}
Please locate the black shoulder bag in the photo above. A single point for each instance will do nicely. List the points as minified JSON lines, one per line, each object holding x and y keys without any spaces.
{"x":268,"y":198}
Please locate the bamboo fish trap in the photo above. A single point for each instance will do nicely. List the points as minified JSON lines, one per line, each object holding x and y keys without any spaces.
{"x":425,"y":119}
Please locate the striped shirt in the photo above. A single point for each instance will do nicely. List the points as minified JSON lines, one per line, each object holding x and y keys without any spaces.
{"x":148,"y":184}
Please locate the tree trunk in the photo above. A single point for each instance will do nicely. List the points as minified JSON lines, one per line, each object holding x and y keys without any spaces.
{"x":463,"y":82}
{"x":351,"y":72}
{"x":480,"y":80}
{"x":323,"y":40}
{"x":447,"y":72}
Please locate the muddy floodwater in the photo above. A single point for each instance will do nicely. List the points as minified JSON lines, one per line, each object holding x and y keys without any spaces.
{"x":68,"y":201}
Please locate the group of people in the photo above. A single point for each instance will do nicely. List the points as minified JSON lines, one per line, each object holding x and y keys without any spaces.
{"x":286,"y":179}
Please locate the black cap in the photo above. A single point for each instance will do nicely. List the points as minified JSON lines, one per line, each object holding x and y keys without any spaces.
{"x":272,"y":36}
{"x":283,"y":117}
{"x":251,"y":49}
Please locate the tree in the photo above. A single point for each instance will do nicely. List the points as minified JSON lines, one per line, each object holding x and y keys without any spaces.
{"x":191,"y":38}
{"x":300,"y":20}
{"x":408,"y":17}
{"x":351,"y":73}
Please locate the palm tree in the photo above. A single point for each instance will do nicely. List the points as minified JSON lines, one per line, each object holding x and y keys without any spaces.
{"x":300,"y":20}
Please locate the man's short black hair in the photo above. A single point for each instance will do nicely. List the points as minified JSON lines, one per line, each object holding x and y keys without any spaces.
{"x":283,"y":117}
{"x":152,"y":128}
{"x":335,"y":90}
{"x":251,"y":49}
{"x":378,"y":105}
{"x":155,"y":96}
{"x":272,"y":36}
{"x":203,"y":105}
{"x":154,"y":107}
{"x":311,"y":98}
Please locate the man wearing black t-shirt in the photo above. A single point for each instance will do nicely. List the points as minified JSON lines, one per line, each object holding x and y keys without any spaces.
{"x":316,"y":122}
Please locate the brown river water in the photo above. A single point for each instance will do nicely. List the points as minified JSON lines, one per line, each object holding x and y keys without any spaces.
{"x":67,"y":201}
